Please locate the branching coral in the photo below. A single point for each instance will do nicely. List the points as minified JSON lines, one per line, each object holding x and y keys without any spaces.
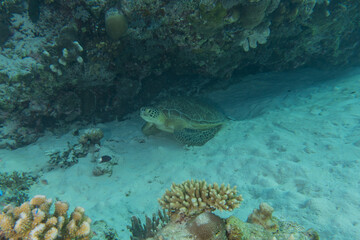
{"x":32,"y":220}
{"x":195,"y":197}
{"x":149,"y":228}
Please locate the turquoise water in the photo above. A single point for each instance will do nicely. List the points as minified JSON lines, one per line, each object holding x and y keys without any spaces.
{"x":283,"y":76}
{"x":294,"y":146}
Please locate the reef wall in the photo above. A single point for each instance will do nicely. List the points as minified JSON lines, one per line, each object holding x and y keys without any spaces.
{"x":69,"y":60}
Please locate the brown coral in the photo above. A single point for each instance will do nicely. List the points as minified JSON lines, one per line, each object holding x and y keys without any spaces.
{"x":195,"y":197}
{"x":61,"y":208}
{"x":207,"y":226}
{"x":263,"y":217}
{"x":32,"y":220}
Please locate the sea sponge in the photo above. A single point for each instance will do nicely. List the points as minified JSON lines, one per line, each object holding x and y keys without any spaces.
{"x":32,"y":220}
{"x":115,"y":23}
{"x":195,"y":197}
{"x":207,"y":226}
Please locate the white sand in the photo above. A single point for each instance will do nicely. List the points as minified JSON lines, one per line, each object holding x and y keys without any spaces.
{"x":296,"y":145}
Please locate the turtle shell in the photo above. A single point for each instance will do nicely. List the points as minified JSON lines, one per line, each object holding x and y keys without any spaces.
{"x":196,"y":111}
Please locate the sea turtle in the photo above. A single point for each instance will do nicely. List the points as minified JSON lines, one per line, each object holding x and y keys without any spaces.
{"x":192,"y":121}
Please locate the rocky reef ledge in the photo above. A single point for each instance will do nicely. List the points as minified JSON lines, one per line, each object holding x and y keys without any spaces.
{"x":65,"y":61}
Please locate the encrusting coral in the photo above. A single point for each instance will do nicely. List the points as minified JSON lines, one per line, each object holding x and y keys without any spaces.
{"x":195,"y":197}
{"x":32,"y":220}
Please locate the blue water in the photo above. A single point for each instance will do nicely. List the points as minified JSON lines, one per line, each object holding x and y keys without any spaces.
{"x":294,"y":143}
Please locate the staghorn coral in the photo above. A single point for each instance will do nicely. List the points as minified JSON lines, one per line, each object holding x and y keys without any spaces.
{"x":195,"y":197}
{"x":32,"y":220}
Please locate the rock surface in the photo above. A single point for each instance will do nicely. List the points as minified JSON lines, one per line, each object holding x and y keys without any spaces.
{"x":64,"y":67}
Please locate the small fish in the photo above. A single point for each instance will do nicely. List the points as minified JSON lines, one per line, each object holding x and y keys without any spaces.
{"x":104,"y":158}
{"x":1,"y":193}
{"x":44,"y":181}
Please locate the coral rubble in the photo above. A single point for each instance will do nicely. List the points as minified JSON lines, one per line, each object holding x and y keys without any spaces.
{"x":32,"y":220}
{"x":15,"y":186}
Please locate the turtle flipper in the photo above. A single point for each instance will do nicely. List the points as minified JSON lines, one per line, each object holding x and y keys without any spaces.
{"x":195,"y":137}
{"x":149,"y":129}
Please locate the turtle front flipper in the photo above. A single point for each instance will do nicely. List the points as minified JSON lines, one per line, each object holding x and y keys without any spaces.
{"x":149,"y":129}
{"x":195,"y":137}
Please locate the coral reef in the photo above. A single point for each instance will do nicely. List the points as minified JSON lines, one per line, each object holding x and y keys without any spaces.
{"x":64,"y":61}
{"x":192,"y":200}
{"x":285,"y":230}
{"x":151,"y":226}
{"x":88,"y":142}
{"x":194,"y":197}
{"x":15,"y":186}
{"x":32,"y":220}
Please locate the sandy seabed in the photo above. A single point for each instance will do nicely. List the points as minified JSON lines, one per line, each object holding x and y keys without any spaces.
{"x":294,"y":143}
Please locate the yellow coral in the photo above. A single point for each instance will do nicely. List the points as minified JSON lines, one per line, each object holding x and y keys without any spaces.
{"x":25,"y":207}
{"x":84,"y":230}
{"x":194,"y":197}
{"x":23,"y":224}
{"x":76,"y":216}
{"x":32,"y":220}
{"x":61,"y":208}
{"x":38,"y":216}
{"x":51,"y":222}
{"x":71,"y":228}
{"x":51,"y":234}
{"x":38,"y":200}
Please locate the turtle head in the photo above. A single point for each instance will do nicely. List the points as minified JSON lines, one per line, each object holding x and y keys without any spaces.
{"x":152,"y":115}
